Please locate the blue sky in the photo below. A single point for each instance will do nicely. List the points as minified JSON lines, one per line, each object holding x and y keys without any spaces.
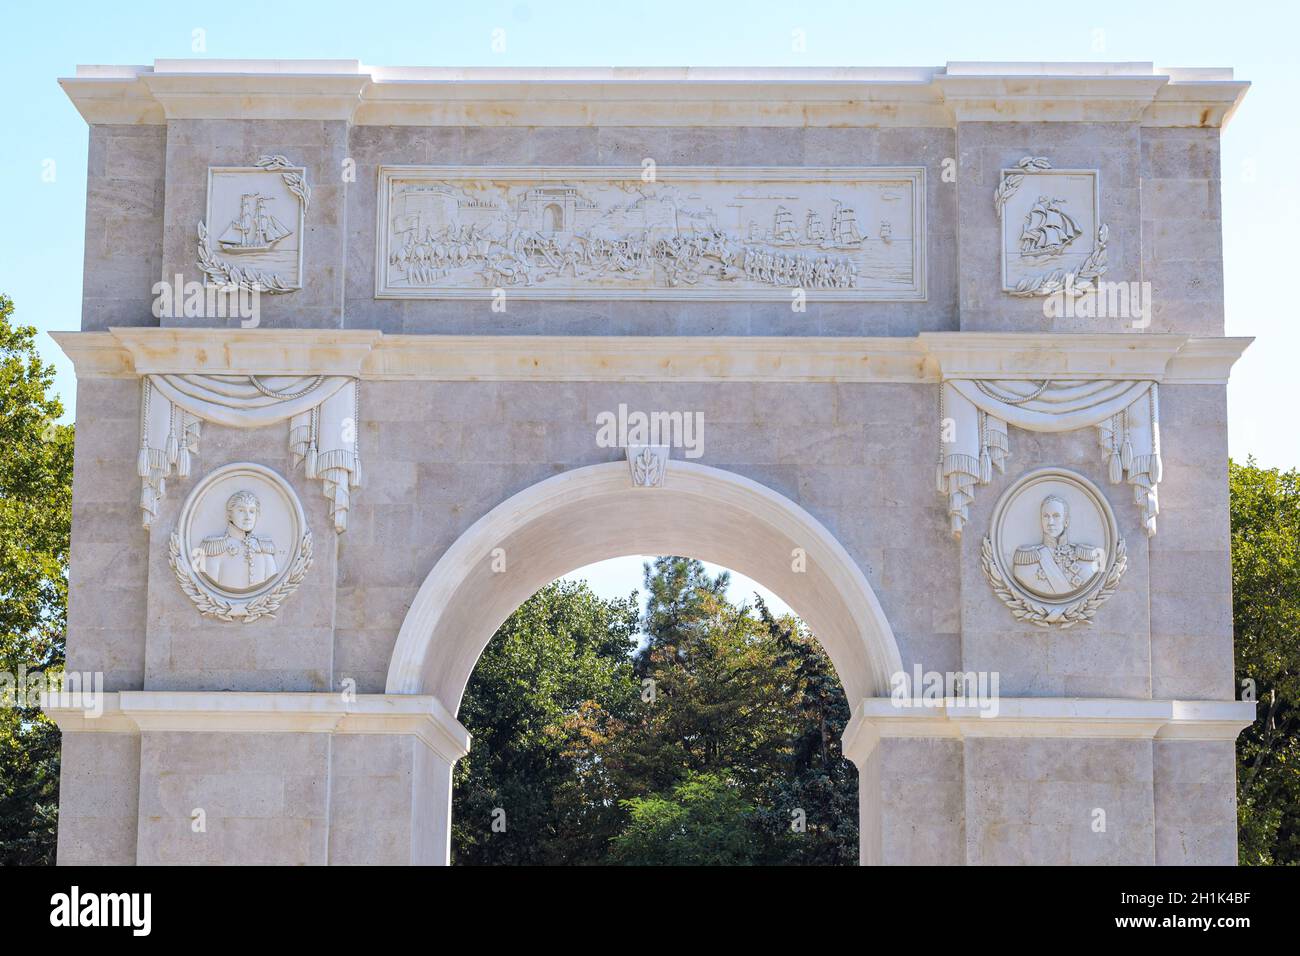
{"x":41,"y":240}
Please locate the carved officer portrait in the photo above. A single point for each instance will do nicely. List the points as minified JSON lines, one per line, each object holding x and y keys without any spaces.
{"x":238,"y":559}
{"x":1053,"y":554}
{"x":241,"y":544}
{"x":1054,"y":567}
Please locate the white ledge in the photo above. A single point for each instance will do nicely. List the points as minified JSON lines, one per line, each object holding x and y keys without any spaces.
{"x":876,"y":719}
{"x":250,"y":712}
{"x":928,"y":357}
{"x":650,"y":96}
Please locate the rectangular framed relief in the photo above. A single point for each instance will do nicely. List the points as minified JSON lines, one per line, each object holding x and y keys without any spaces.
{"x":600,"y":232}
{"x":1052,"y":234}
{"x":254,"y":225}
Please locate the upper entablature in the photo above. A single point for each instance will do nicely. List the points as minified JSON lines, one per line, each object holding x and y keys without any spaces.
{"x":655,"y":96}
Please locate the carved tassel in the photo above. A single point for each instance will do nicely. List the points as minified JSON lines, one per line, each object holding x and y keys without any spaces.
{"x":313,"y":433}
{"x":986,"y":461}
{"x":183,"y":463}
{"x":940,"y":484}
{"x":1116,"y":469}
{"x":142,"y":462}
{"x":356,"y":437}
{"x":1157,"y":462}
{"x":172,"y":446}
{"x":1126,"y":449}
{"x":162,"y":488}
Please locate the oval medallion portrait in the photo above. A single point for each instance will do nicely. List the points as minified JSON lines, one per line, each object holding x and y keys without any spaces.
{"x":241,"y":544}
{"x":1054,"y":554}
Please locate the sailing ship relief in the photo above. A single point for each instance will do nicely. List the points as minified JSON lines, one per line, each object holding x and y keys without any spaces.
{"x":1051,"y":226}
{"x":252,"y":235}
{"x":254,"y":229}
{"x":693,"y":233}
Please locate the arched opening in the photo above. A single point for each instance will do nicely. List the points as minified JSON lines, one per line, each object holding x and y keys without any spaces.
{"x":594,"y":513}
{"x":552,"y":219}
{"x":654,"y":711}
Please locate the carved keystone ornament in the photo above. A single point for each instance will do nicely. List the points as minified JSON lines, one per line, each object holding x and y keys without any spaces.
{"x":648,"y":464}
{"x":241,"y":545}
{"x":1054,"y":555}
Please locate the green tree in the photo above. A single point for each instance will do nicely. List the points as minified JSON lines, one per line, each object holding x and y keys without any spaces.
{"x":820,"y":781}
{"x":718,"y":694}
{"x":705,"y":820}
{"x":1265,"y":510}
{"x":742,"y":698}
{"x":558,"y":669}
{"x":35,"y":528}
{"x":698,"y":746}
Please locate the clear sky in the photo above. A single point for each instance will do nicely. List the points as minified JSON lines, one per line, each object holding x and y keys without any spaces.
{"x":41,"y":236}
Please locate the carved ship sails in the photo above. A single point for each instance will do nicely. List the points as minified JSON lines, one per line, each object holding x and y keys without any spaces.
{"x":886,"y":231}
{"x":783,"y":227}
{"x":254,"y":229}
{"x":1048,"y":229}
{"x":844,"y":226}
{"x":814,"y":229}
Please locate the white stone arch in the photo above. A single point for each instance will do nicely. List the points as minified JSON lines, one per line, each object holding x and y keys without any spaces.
{"x":593,"y":513}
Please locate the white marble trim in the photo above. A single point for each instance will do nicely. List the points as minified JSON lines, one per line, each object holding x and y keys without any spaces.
{"x":1075,"y":717}
{"x":920,"y":97}
{"x":928,"y":357}
{"x":285,"y":713}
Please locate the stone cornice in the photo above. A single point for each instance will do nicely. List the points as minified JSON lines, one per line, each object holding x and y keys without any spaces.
{"x":1164,"y":357}
{"x":922,"y":96}
{"x":251,"y":712}
{"x":127,"y":352}
{"x":928,"y":357}
{"x":879,"y":718}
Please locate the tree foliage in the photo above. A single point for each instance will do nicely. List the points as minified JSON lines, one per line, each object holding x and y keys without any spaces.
{"x":35,"y":527}
{"x":563,"y":652}
{"x":705,"y":743}
{"x":705,"y":820}
{"x":1266,"y":630}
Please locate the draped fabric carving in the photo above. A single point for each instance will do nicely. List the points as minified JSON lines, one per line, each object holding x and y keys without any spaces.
{"x":973,"y":441}
{"x":322,"y":412}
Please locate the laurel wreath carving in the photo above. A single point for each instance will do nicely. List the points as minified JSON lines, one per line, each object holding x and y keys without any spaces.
{"x":1010,"y":183}
{"x":1045,"y":615}
{"x":1080,"y":282}
{"x":294,"y":180}
{"x":264,"y":605}
{"x":227,"y":274}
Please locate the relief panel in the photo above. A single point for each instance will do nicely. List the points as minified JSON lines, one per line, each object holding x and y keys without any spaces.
{"x":738,"y":233}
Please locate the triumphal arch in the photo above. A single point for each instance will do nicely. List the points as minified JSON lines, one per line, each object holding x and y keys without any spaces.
{"x":367,"y":355}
